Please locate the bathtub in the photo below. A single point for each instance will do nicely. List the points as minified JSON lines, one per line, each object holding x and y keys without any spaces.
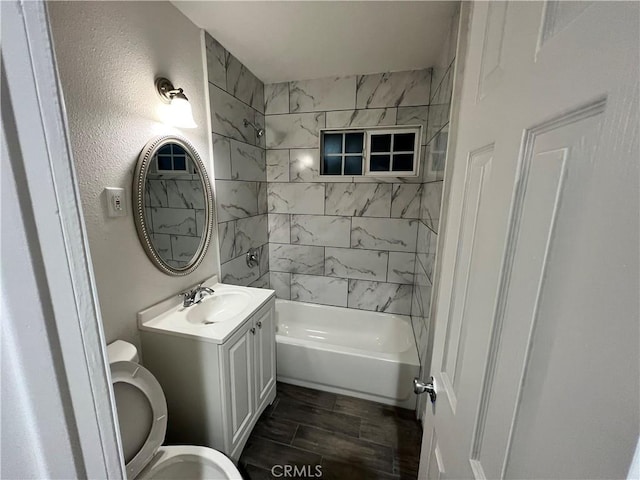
{"x":369,"y":355}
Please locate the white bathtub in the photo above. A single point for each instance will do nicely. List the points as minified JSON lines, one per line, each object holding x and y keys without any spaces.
{"x":370,"y":355}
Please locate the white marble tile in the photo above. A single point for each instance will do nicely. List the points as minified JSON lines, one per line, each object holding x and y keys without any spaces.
{"x":405,"y":200}
{"x":401,"y":267}
{"x":436,"y":156}
{"x":162,"y":245}
{"x":176,"y":221}
{"x":415,"y":116}
{"x":221,"y":157}
{"x":422,"y":291}
{"x":263,"y":259}
{"x":351,"y":199}
{"x":248,"y":162}
{"x":438,"y":119}
{"x":397,"y":235}
{"x":226,"y":240}
{"x":228,"y":114}
{"x":296,"y":259}
{"x":217,"y":59}
{"x":156,"y":193}
{"x":277,"y":165}
{"x":394,"y":89}
{"x":251,"y":232}
{"x":281,"y":283}
{"x":276,"y":98}
{"x":263,"y":206}
{"x":424,"y":238}
{"x":430,"y":208}
{"x":184,"y":248}
{"x":260,"y":141}
{"x":296,"y":198}
{"x":380,"y":297}
{"x":296,"y":130}
{"x":279,"y":228}
{"x":443,"y":90}
{"x":322,"y":94}
{"x":317,"y":289}
{"x":237,"y":272}
{"x":372,"y":117}
{"x":235,"y":199}
{"x":185,"y":194}
{"x":244,"y":85}
{"x":200,"y":220}
{"x":356,"y":263}
{"x":320,"y":230}
{"x":304,"y":166}
{"x":262,"y":282}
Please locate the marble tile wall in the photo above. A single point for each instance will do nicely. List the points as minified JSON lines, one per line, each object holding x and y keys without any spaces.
{"x":344,"y":241}
{"x":240,"y":166}
{"x":431,"y":202}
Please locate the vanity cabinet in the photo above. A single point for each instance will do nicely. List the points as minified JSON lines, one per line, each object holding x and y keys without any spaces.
{"x":215,"y":391}
{"x":249,"y":362}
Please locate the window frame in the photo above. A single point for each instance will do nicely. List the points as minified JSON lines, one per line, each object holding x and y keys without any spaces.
{"x":366,"y":150}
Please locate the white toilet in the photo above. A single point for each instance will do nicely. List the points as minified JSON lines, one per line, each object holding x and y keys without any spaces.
{"x":142,"y":415}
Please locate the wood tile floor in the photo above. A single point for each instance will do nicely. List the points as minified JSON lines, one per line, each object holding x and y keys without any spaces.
{"x":351,"y":439}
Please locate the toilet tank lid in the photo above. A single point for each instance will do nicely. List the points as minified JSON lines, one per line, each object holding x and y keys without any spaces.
{"x":121,"y":351}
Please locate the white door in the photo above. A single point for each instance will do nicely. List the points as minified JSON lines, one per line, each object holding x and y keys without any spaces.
{"x":238,"y":364}
{"x":265,"y":352}
{"x":536,"y":352}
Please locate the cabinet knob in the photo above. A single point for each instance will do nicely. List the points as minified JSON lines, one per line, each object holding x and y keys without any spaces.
{"x":259,"y":324}
{"x":253,"y":330}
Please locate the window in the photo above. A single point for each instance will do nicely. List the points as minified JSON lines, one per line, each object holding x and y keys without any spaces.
{"x":389,"y":151}
{"x":172,"y":158}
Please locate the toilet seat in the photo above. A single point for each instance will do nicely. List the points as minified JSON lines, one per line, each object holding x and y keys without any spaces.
{"x":190,"y":462}
{"x":144,"y":383}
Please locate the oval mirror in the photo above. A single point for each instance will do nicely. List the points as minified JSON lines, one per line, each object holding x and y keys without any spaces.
{"x":172,"y":204}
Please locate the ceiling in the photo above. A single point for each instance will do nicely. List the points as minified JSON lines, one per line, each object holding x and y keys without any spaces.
{"x":282,"y":41}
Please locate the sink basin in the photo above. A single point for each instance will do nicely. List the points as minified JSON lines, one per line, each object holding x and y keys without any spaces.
{"x":219,"y":307}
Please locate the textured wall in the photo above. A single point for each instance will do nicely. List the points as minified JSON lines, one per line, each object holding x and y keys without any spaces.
{"x":236,"y":94}
{"x":108,"y":55}
{"x":345,"y":241}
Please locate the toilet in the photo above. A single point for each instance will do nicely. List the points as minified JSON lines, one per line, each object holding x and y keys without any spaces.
{"x":142,"y":415}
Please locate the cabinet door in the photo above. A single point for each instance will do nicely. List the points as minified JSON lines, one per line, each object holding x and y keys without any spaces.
{"x":238,"y":360}
{"x":265,"y":350}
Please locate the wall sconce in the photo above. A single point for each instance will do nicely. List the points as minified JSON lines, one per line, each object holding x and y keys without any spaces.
{"x":180,"y":112}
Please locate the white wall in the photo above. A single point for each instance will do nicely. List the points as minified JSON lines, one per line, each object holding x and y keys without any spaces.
{"x":108,"y":55}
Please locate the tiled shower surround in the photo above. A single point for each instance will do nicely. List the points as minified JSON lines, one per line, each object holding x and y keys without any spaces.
{"x":236,"y":94}
{"x":356,"y":242}
{"x":344,"y":241}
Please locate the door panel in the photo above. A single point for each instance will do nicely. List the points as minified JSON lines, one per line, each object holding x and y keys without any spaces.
{"x":265,"y":355}
{"x":239,"y":360}
{"x":536,"y":323}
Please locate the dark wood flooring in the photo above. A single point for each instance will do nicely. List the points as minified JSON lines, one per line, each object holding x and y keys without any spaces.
{"x":349,"y":438}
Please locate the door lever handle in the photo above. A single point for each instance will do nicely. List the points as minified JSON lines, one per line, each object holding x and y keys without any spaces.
{"x":420,"y":387}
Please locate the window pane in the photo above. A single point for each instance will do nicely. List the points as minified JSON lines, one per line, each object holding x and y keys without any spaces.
{"x":332,"y":165}
{"x":178,"y":150}
{"x":403,"y":142}
{"x":403,"y":162}
{"x":332,"y":143}
{"x":179,"y":163}
{"x":380,"y":143}
{"x":164,"y":163}
{"x":166,"y":150}
{"x":353,"y":165}
{"x":380,"y":163}
{"x":353,"y":142}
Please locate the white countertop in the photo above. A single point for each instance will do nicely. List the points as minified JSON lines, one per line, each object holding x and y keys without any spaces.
{"x":170,"y":317}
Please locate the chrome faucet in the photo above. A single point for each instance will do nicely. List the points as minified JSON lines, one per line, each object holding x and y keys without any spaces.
{"x":196,"y":295}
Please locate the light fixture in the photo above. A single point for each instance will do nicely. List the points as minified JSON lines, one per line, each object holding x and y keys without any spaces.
{"x":180,"y":113}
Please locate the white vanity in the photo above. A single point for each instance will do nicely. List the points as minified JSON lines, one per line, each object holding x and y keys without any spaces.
{"x":216,"y":363}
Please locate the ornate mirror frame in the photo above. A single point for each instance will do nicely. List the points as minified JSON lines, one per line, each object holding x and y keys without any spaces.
{"x":138,"y":196}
